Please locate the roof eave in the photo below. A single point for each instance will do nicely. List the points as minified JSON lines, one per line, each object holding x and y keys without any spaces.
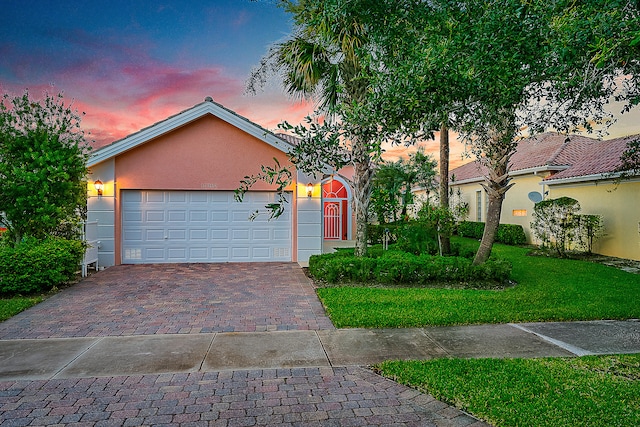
{"x":583,"y":178}
{"x":537,"y":169}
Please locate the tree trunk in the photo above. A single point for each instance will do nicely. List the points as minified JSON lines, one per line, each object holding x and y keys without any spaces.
{"x":362,"y":197}
{"x":496,"y":185}
{"x":490,"y":228}
{"x":445,"y":242}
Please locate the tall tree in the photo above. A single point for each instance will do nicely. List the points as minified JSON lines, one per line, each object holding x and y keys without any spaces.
{"x":498,"y":70}
{"x":43,"y":166}
{"x":322,"y":61}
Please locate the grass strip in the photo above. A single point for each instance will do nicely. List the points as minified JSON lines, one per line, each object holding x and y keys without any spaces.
{"x":548,"y":289}
{"x":596,"y":391}
{"x":11,"y":306}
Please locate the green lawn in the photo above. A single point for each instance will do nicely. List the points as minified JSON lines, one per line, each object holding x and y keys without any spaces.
{"x":588,"y":391}
{"x":548,"y":289}
{"x":12,"y":306}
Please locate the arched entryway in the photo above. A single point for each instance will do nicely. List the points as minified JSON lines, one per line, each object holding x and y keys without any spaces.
{"x":335,"y":209}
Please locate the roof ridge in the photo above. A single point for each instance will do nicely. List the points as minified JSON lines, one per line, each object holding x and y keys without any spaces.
{"x":556,"y":154}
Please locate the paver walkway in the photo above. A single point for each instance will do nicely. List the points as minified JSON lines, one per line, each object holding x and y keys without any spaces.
{"x":345,"y":396}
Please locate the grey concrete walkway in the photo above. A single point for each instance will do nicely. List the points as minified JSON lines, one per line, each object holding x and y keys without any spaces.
{"x":60,"y":358}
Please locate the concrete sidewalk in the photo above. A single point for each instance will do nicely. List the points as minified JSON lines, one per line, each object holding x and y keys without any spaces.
{"x":63,"y":358}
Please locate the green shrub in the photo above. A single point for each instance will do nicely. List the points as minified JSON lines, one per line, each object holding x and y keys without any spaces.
{"x":38,"y":265}
{"x":471,"y":229}
{"x":417,"y":237}
{"x":376,"y":232}
{"x":402,"y":268}
{"x":509,"y":234}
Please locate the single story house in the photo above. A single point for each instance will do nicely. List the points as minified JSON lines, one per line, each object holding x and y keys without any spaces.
{"x":165,"y":194}
{"x":552,"y":165}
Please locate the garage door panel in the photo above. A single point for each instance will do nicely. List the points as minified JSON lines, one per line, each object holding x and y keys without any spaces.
{"x":220,"y":235}
{"x":154,"y":196}
{"x":261,"y":253}
{"x":220,"y":254}
{"x":220,"y":216}
{"x":154,"y":235}
{"x":179,"y":234}
{"x":240,"y":235}
{"x":201,"y":226}
{"x":177,"y":216}
{"x":261,"y":234}
{"x":199,"y":234}
{"x":132,"y":196}
{"x":240,"y":253}
{"x":198,"y":216}
{"x":132,"y":216}
{"x":198,"y":254}
{"x":282,"y":235}
{"x":154,"y":254}
{"x":154,"y":216}
{"x":132,"y":235}
{"x":177,"y":254}
{"x":177,"y":197}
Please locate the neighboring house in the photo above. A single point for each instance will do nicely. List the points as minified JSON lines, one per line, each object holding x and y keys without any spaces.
{"x":168,"y":195}
{"x":551,"y":165}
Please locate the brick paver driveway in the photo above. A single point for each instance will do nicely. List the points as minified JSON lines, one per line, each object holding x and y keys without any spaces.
{"x":199,"y":298}
{"x":176,"y":299}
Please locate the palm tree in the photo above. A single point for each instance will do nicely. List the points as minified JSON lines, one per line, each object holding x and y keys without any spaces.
{"x":323,"y":62}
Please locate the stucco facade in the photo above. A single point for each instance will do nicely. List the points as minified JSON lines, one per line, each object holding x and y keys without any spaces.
{"x":205,"y":149}
{"x":553,"y":166}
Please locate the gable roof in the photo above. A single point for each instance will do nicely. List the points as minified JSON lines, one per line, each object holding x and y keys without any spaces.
{"x":571,"y":156}
{"x":184,"y":117}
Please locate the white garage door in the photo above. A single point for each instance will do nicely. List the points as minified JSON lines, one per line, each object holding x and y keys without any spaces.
{"x":201,"y":226}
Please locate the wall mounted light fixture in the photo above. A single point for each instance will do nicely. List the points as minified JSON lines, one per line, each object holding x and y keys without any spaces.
{"x":309,"y":189}
{"x":99,"y":187}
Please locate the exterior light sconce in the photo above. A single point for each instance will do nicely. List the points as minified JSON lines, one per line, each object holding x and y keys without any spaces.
{"x":309,"y":190}
{"x":99,"y":187}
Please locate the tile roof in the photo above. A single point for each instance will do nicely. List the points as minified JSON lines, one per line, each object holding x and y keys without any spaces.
{"x":602,"y":157}
{"x":569,"y":155}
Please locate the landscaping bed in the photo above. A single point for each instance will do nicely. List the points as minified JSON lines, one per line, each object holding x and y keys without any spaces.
{"x":548,"y":289}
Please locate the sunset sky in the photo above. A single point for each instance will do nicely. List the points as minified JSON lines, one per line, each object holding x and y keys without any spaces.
{"x":128,"y":64}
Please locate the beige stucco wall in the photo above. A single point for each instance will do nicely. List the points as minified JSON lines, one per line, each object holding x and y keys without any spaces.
{"x":619,"y":206}
{"x":516,"y":199}
{"x":620,"y":209}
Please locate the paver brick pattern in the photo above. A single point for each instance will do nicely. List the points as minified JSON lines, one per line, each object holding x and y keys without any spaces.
{"x":349,"y":396}
{"x":176,"y":299}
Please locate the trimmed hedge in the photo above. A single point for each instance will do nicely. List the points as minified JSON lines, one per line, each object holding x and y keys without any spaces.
{"x":509,"y":234}
{"x":401,"y":268}
{"x":38,"y":265}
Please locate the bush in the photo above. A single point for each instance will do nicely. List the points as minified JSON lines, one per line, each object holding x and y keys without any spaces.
{"x":471,"y":229}
{"x":416,"y":237}
{"x":38,"y":265}
{"x":401,"y":268}
{"x":509,"y":234}
{"x":376,"y":232}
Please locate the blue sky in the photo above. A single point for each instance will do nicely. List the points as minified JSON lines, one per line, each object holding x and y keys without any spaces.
{"x":128,"y":64}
